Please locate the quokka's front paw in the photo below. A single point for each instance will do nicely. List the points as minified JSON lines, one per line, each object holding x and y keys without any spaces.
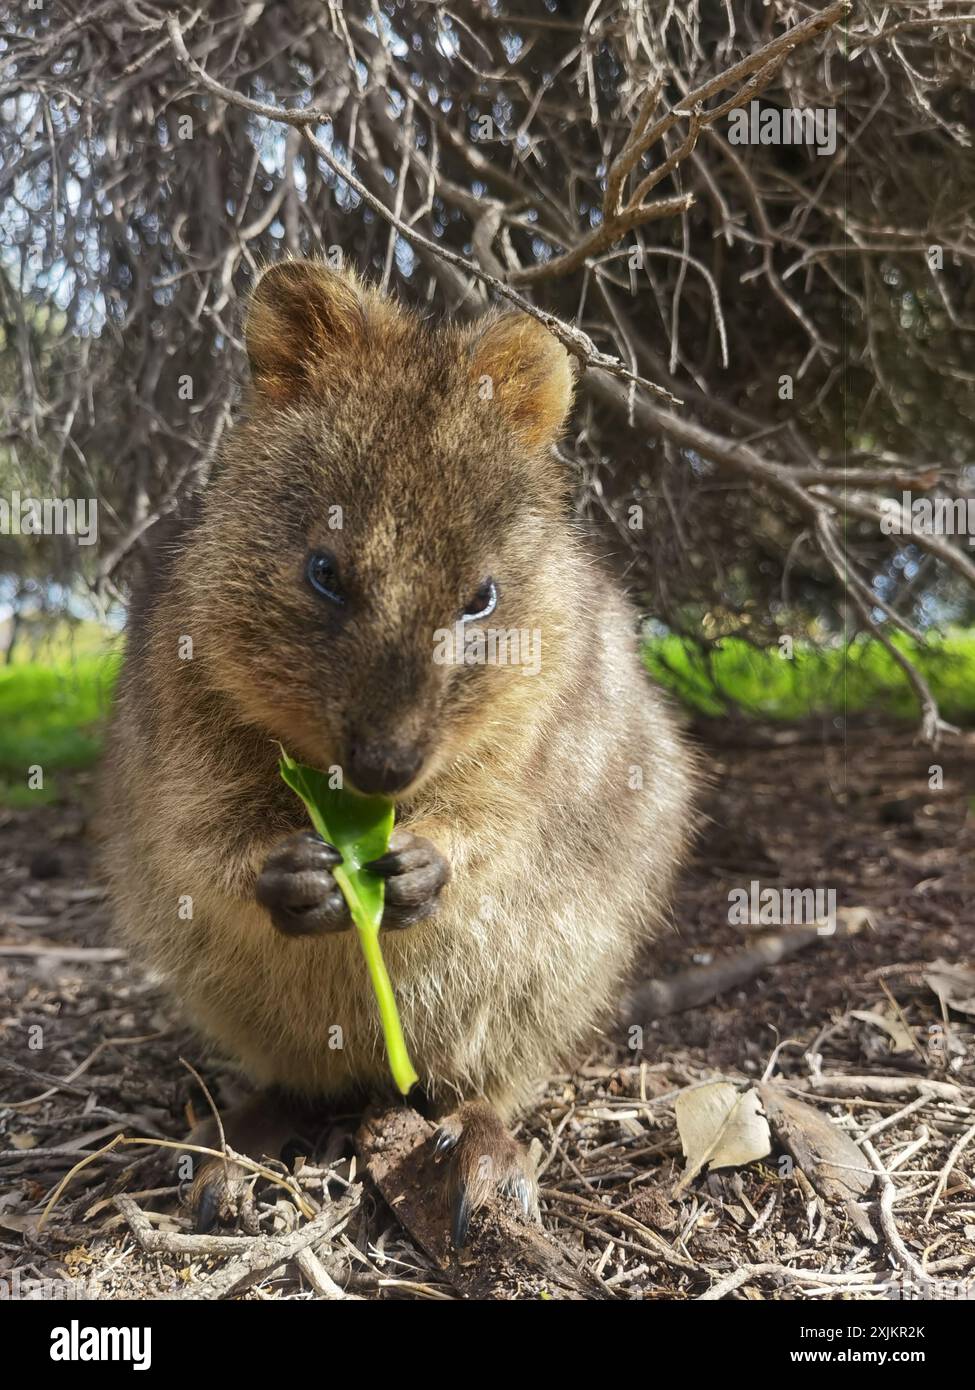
{"x":298,"y":888}
{"x":415,"y":872}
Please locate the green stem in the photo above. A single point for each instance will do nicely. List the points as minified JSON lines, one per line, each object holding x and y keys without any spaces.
{"x":364,"y":892}
{"x":399,"y":1059}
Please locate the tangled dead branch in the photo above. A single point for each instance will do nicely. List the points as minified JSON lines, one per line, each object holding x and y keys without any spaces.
{"x":786,"y":358}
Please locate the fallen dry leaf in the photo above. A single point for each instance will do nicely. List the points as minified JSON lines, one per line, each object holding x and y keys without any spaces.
{"x":954,"y":985}
{"x":848,"y":921}
{"x":900,"y":1036}
{"x":21,"y":1223}
{"x":721,"y":1128}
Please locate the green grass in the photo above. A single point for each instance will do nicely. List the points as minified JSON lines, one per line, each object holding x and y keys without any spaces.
{"x":53,"y":712}
{"x":60,"y":643}
{"x":817,"y":680}
{"x":51,"y":716}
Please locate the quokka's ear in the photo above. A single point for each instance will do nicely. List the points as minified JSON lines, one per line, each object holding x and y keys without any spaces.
{"x":526,"y":373}
{"x":304,"y":321}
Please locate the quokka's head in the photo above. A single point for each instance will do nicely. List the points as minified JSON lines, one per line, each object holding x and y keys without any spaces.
{"x":390,"y":483}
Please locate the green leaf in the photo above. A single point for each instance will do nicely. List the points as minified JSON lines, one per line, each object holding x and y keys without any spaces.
{"x":359,"y":827}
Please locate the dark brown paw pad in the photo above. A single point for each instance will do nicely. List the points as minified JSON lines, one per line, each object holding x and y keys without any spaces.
{"x":415,"y":872}
{"x":297,"y":887}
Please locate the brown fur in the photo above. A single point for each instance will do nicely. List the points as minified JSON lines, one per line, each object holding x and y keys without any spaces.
{"x":560,"y":870}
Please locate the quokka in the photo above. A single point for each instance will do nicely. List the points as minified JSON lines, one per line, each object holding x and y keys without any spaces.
{"x":386,"y":481}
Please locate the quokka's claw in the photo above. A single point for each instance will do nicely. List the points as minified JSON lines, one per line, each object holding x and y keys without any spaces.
{"x":485,"y":1162}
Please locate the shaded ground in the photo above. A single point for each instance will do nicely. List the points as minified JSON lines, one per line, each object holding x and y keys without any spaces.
{"x":90,"y":1050}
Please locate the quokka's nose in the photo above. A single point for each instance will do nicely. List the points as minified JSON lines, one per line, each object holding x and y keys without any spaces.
{"x":380,"y":768}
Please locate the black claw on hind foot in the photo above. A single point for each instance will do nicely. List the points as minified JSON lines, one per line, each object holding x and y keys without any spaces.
{"x":222,"y":1194}
{"x":444,"y":1141}
{"x":485,"y":1162}
{"x":222,"y":1190}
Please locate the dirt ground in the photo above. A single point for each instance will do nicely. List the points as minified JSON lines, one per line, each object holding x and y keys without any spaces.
{"x":862,"y":1030}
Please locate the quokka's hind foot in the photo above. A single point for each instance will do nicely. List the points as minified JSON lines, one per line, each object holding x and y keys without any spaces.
{"x":485,"y":1161}
{"x":222,"y":1190}
{"x":222,"y":1194}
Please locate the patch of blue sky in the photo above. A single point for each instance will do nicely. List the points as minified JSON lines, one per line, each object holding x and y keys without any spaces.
{"x":391,"y":39}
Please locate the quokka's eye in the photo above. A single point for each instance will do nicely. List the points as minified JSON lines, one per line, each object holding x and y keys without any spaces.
{"x":323,"y":575}
{"x":482,"y":604}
